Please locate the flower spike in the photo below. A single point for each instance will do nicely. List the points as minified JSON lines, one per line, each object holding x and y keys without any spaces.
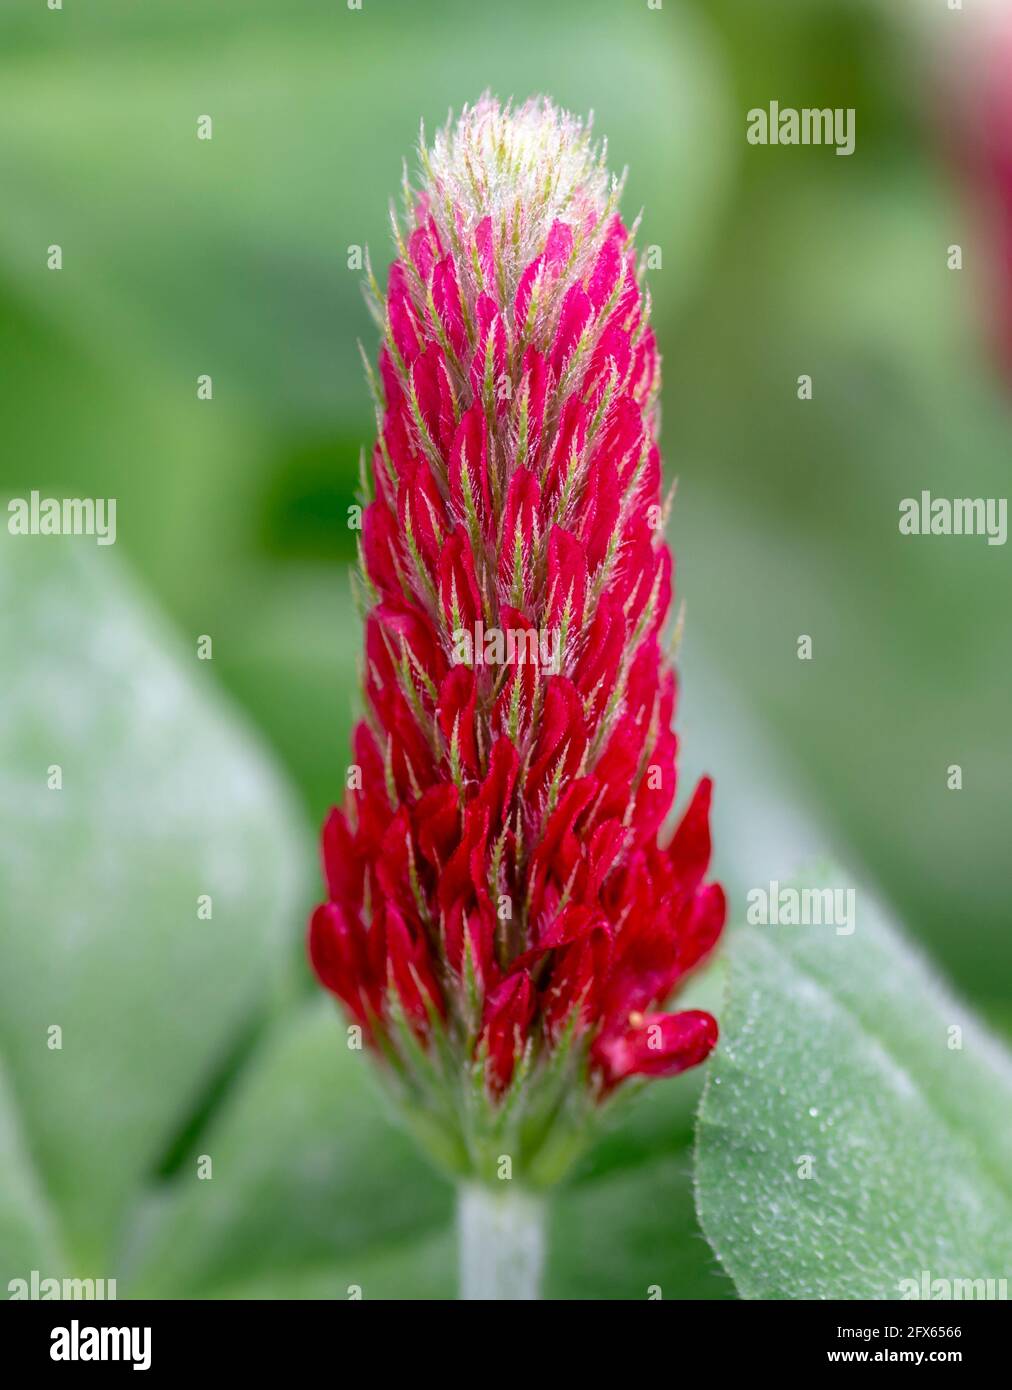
{"x":502,"y":921}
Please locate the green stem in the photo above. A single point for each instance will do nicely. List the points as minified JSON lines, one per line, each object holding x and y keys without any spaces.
{"x":501,"y":1242}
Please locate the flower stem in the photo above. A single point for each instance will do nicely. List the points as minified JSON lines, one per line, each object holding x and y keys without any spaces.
{"x":501,"y":1242}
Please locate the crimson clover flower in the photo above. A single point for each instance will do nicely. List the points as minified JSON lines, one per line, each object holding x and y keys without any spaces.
{"x":501,"y":921}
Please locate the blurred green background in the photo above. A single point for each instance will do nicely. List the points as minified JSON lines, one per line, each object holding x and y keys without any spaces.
{"x":229,"y":257}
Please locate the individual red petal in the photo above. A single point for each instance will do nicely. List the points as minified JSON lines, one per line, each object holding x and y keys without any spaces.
{"x":448,"y":410}
{"x":424,"y":248}
{"x":646,"y":365}
{"x":570,"y":441}
{"x":649,"y":485}
{"x":689,"y":851}
{"x":567,"y":580}
{"x":410,"y":971}
{"x":395,"y":861}
{"x":521,"y":660}
{"x":565,"y":928}
{"x":470,"y":450}
{"x":328,"y":952}
{"x":532,"y":395}
{"x":558,"y":245}
{"x":430,"y":384}
{"x":477,"y":927}
{"x":559,"y":849}
{"x":484,"y":243}
{"x":650,"y":688}
{"x":421,"y":513}
{"x":390,"y":379}
{"x":519,"y":531}
{"x":525,"y":290}
{"x":645,"y":964}
{"x":410,"y":755}
{"x":453,"y":934}
{"x":561,"y":737}
{"x":372,"y":805}
{"x":574,"y":317}
{"x":576,"y":977}
{"x":621,"y":437}
{"x":656,"y":790}
{"x":597,"y":666}
{"x":404,"y":323}
{"x":601,"y":512}
{"x":342,"y":867}
{"x":456,"y":889}
{"x":605,"y":273}
{"x":508,"y":1012}
{"x":645,"y":582}
{"x":609,"y":366}
{"x":381,"y":547}
{"x":496,"y":791}
{"x":616,"y":768}
{"x":436,"y":820}
{"x":629,"y":309}
{"x":446,"y":298}
{"x":394,"y":627}
{"x":336,"y":953}
{"x":456,"y":711}
{"x":489,"y":361}
{"x":398,"y":441}
{"x":544,"y":267}
{"x":701,"y":931}
{"x":607,"y":843}
{"x":656,"y":1045}
{"x":459,"y":596}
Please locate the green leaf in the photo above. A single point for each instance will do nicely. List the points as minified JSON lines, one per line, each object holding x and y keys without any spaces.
{"x":840,"y":1048}
{"x":634,"y":1231}
{"x":164,"y":798}
{"x":308,"y":1174}
{"x":28,"y":1236}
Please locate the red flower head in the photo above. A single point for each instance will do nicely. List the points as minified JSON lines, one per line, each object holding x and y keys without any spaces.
{"x":501,"y":919}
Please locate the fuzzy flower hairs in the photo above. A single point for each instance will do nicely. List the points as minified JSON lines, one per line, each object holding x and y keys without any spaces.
{"x":502,"y":923}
